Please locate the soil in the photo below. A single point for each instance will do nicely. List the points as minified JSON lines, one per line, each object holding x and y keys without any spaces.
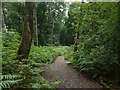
{"x":59,"y":70}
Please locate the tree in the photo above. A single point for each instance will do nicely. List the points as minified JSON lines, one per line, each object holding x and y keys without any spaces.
{"x":50,"y":17}
{"x":28,"y":32}
{"x":36,"y":27}
{"x":13,"y":16}
{"x":99,"y":38}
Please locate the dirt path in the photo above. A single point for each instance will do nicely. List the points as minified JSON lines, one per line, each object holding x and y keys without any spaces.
{"x":71,"y":78}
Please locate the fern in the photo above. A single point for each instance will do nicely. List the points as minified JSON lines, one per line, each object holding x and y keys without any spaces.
{"x":9,"y":80}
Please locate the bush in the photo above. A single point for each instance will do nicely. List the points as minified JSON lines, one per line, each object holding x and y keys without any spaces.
{"x":31,"y":68}
{"x":46,"y":53}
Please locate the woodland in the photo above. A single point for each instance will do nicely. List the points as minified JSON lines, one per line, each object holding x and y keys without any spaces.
{"x":36,"y":33}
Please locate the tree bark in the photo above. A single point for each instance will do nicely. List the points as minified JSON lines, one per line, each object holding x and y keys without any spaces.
{"x":119,"y":32}
{"x":36,"y":29}
{"x":28,"y":32}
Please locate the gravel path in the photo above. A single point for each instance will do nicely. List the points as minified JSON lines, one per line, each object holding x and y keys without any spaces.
{"x":71,"y":78}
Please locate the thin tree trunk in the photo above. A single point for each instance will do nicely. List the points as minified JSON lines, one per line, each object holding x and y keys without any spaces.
{"x":76,"y":41}
{"x":52,"y":16}
{"x":52,"y":42}
{"x":3,"y":22}
{"x":77,"y":34}
{"x":36,"y":29}
{"x":28,"y":32}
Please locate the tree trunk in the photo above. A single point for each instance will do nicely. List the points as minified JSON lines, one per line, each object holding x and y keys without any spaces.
{"x":4,"y":29}
{"x":36,"y":29}
{"x":28,"y":32}
{"x":119,"y":32}
{"x":76,"y":41}
{"x":77,"y":34}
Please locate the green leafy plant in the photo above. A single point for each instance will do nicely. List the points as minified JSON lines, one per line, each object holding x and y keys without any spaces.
{"x":9,"y":80}
{"x":96,"y":39}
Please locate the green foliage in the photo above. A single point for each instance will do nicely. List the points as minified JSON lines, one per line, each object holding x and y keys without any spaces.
{"x":97,"y":44}
{"x":69,"y":54}
{"x":10,"y":38}
{"x":93,"y":28}
{"x":31,"y":71}
{"x":46,"y":53}
{"x":42,"y":83}
{"x":9,"y":49}
{"x":50,"y":17}
{"x":9,"y":80}
{"x":13,"y":15}
{"x":31,"y":68}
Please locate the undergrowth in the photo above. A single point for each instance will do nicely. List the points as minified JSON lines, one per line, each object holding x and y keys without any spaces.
{"x":29,"y":69}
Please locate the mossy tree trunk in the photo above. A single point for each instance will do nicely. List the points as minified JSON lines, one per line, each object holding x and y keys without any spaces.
{"x":28,"y":32}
